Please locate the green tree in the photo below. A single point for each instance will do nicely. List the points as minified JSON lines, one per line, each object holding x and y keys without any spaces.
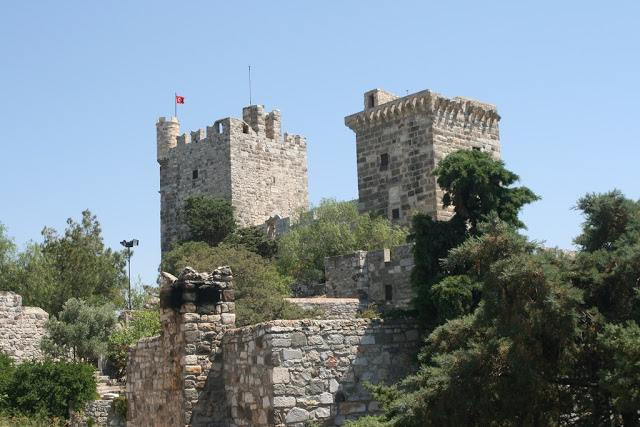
{"x":210,"y":220}
{"x":80,"y":331}
{"x":332,"y":228}
{"x":475,"y":185}
{"x":522,"y":336}
{"x":607,"y":269}
{"x":259,"y":287}
{"x":50,"y":389}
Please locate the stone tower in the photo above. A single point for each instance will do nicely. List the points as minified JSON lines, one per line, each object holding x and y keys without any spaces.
{"x":247,"y":162}
{"x":399,"y":141}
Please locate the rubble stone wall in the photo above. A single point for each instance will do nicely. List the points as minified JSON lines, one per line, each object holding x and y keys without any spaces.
{"x":372,"y":277}
{"x":175,"y":379}
{"x":102,"y":413}
{"x":330,"y":308}
{"x":283,"y":373}
{"x":21,"y":328}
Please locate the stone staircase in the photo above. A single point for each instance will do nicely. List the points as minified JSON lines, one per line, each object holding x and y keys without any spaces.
{"x":108,"y":388}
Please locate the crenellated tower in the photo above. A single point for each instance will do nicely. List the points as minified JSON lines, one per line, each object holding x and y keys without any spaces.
{"x":246,"y":161}
{"x":400,"y":140}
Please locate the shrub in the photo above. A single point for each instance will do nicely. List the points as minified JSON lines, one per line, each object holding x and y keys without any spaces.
{"x":49,"y":389}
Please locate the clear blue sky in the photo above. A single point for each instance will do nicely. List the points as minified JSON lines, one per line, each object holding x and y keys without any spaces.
{"x":84,"y":82}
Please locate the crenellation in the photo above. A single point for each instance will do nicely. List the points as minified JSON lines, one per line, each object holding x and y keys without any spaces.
{"x":242,"y":160}
{"x":400,"y":142}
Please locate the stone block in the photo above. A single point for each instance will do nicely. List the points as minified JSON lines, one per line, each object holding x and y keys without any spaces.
{"x":284,"y":402}
{"x":296,"y":415}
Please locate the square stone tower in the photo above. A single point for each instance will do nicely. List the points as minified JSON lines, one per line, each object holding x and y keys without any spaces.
{"x":399,"y":141}
{"x":246,"y":161}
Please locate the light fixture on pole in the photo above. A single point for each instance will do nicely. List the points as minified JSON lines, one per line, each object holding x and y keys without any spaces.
{"x":131,"y":243}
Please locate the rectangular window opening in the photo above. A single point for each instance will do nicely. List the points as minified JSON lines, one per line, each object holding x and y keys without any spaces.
{"x":194,"y":174}
{"x":388,"y":292}
{"x":395,"y":214}
{"x":384,"y":160}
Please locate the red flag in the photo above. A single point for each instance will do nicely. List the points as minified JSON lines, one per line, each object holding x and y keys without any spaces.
{"x":179,"y":99}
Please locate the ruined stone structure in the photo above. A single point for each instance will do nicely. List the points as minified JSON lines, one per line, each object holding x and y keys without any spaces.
{"x":372,"y":277}
{"x":21,"y":328}
{"x":202,"y":372}
{"x":245,"y":161}
{"x":399,"y":141}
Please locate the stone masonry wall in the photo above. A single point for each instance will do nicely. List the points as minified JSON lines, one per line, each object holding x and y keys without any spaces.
{"x":399,"y":141}
{"x":331,"y":308}
{"x":102,"y":412}
{"x":247,"y":162}
{"x":21,"y":328}
{"x":175,"y":379}
{"x":283,"y":373}
{"x":373,"y":276}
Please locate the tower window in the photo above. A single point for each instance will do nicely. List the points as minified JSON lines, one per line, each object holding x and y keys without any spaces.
{"x":395,"y":214}
{"x":194,"y":174}
{"x":388,"y":292}
{"x":384,"y":160}
{"x":245,"y":128}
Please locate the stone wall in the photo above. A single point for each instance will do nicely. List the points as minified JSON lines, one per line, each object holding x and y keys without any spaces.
{"x":175,"y":379}
{"x":247,"y":162}
{"x":21,"y":328}
{"x":102,"y":413}
{"x":374,"y":276}
{"x":283,"y":373}
{"x":399,"y":141}
{"x":331,"y":308}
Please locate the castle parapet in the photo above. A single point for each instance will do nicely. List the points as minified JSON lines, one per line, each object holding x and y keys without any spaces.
{"x":382,"y":106}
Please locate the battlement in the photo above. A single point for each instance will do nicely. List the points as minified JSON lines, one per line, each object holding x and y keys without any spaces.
{"x":246,"y":161}
{"x":382,"y":106}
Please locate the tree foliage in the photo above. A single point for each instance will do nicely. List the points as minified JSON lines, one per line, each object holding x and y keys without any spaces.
{"x":48,"y":388}
{"x":547,"y":344}
{"x":475,"y":185}
{"x":76,"y":264}
{"x":81,"y":331}
{"x":142,"y":324}
{"x":259,"y":287}
{"x":330,"y":229}
{"x":210,"y":220}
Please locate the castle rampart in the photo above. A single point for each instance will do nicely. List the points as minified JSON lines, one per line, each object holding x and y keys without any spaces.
{"x":202,"y":372}
{"x":400,"y":140}
{"x":21,"y":328}
{"x":246,"y":161}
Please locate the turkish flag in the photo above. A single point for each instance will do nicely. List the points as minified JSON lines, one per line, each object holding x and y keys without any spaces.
{"x":179,"y":99}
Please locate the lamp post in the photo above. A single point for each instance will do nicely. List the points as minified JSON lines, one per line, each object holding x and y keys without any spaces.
{"x":131,"y":243}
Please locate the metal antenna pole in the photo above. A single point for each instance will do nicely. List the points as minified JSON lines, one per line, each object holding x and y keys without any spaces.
{"x":250,"y":85}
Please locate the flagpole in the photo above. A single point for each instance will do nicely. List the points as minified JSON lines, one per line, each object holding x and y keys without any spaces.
{"x":175,"y":104}
{"x":250,"y":85}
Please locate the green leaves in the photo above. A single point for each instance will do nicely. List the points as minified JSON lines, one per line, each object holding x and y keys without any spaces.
{"x":333,"y":228}
{"x":210,"y":220}
{"x":476,"y":185}
{"x":49,"y":389}
{"x":81,"y":331}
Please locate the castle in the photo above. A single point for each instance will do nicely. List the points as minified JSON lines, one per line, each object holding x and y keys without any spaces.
{"x":247,"y":162}
{"x":399,"y":141}
{"x":201,"y":370}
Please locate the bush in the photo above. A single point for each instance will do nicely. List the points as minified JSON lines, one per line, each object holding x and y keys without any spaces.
{"x":144,"y":323}
{"x":49,"y":389}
